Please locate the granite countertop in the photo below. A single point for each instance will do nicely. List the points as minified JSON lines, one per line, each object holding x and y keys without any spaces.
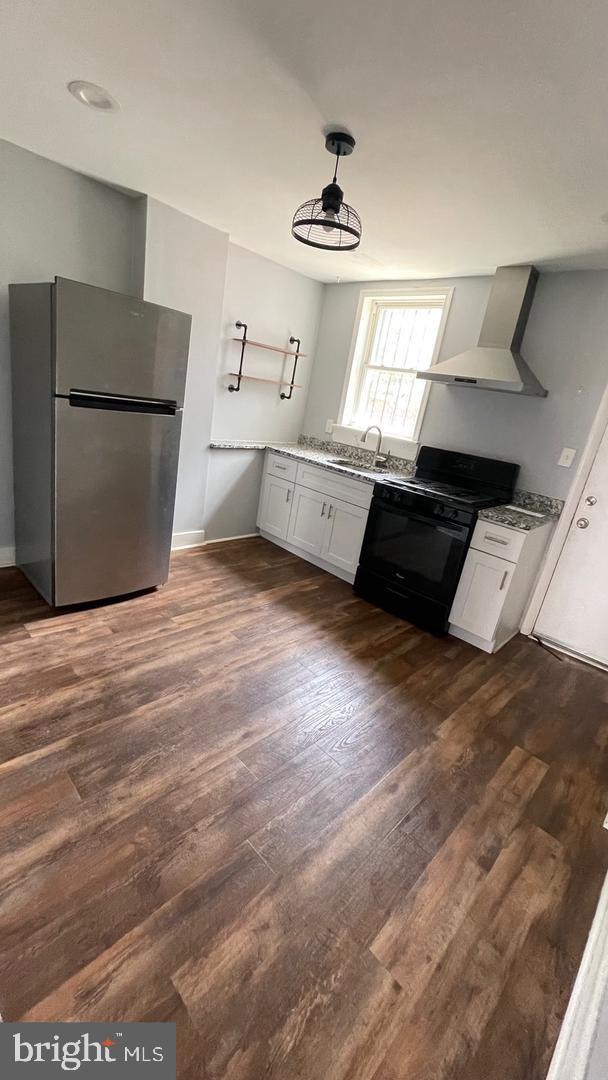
{"x":515,"y":517}
{"x":322,"y":459}
{"x":528,"y":510}
{"x":241,"y":444}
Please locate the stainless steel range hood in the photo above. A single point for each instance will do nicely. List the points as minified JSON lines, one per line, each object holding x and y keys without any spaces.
{"x":496,"y":363}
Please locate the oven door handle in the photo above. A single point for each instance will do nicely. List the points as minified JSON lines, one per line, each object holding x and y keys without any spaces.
{"x":433,"y":522}
{"x":457,"y":531}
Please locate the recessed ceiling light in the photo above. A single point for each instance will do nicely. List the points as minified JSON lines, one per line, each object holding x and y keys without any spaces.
{"x":88,"y":93}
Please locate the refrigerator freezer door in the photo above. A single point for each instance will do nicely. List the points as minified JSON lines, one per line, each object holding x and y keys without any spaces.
{"x":115,"y":475}
{"x":107,"y":342}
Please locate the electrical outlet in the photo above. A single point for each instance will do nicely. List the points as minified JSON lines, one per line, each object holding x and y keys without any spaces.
{"x":566,"y":457}
{"x":329,"y":427}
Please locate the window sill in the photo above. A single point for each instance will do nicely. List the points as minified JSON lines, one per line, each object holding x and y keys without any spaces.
{"x":351,"y":436}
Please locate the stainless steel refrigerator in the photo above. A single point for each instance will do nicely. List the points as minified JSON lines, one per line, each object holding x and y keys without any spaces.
{"x":98,"y":390}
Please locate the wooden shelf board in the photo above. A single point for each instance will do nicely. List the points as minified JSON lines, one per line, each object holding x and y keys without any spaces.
{"x":275,"y":382}
{"x":271,"y":348}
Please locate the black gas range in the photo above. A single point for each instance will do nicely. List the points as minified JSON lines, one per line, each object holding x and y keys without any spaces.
{"x":419,"y":529}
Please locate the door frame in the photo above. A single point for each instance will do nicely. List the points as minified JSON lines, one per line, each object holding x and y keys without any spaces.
{"x":579,"y":1029}
{"x":599,"y":428}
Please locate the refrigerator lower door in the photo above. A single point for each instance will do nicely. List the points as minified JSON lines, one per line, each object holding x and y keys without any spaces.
{"x":115,"y":476}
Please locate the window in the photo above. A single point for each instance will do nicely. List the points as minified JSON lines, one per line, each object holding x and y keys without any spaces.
{"x":397,"y":336}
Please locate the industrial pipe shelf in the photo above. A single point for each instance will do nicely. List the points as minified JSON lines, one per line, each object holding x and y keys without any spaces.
{"x":291,"y":384}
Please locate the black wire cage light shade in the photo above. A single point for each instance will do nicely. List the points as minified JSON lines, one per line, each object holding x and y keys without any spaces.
{"x":330,"y":223}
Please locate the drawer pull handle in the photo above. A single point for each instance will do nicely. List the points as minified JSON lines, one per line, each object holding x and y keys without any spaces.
{"x":504,"y":580}
{"x":496,"y":539}
{"x":288,"y":499}
{"x":283,"y":468}
{"x":329,"y":511}
{"x":323,"y":509}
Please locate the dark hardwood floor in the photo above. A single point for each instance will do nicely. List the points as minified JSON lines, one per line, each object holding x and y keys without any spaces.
{"x":325,"y":844}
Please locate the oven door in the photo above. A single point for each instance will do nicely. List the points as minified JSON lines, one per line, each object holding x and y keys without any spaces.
{"x":421,"y":554}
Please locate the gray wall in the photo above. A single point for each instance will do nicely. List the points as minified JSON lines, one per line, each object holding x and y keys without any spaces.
{"x":566,"y":344}
{"x":276,"y":303}
{"x":185,"y":268}
{"x":53,"y":221}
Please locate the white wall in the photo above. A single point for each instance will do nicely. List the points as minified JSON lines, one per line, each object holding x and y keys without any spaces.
{"x":185,"y":268}
{"x":276,"y":303}
{"x":566,"y":344}
{"x":53,"y":222}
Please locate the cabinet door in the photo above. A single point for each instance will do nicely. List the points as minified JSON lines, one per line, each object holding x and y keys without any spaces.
{"x":275,"y":506}
{"x":344,"y":535}
{"x":481,"y":594}
{"x":308,"y":519}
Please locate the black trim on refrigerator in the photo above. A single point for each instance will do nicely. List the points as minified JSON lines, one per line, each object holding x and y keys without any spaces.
{"x":84,"y":399}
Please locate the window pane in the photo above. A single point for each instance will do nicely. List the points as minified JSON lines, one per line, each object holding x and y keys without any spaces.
{"x":399,"y":339}
{"x":379,"y":397}
{"x":404,"y":337}
{"x":392,"y":401}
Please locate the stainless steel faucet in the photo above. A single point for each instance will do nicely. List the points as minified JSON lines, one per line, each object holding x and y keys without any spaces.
{"x":379,"y":459}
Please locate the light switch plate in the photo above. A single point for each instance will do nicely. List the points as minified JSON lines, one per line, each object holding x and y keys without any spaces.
{"x":566,"y":457}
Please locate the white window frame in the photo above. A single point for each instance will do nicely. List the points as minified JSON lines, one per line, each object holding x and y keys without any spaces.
{"x":344,"y":431}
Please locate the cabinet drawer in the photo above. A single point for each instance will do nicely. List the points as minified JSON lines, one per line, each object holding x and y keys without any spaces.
{"x":281,"y":466}
{"x":498,"y":540}
{"x":356,"y":492}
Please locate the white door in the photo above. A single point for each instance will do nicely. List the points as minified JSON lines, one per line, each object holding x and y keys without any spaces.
{"x":574,"y":613}
{"x":344,"y":535}
{"x":308,"y":518}
{"x":481,"y":594}
{"x":275,"y":506}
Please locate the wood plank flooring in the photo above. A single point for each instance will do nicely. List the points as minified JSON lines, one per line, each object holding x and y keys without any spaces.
{"x":323,"y":843}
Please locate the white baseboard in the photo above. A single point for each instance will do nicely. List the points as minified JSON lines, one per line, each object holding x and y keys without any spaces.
{"x":7,"y":556}
{"x":187,"y":539}
{"x":227,"y":539}
{"x":579,"y":1029}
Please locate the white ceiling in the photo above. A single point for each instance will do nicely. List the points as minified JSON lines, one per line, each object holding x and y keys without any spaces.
{"x":481,"y":124}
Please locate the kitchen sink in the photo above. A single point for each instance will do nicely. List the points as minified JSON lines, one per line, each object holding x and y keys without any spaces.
{"x":350,"y":464}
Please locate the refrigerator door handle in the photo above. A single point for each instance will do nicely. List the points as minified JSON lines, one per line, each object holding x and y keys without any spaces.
{"x":84,"y":399}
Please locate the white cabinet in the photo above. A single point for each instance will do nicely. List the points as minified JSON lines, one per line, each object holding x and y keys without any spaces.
{"x":493,"y":590}
{"x":281,"y":466}
{"x":329,"y":528}
{"x":481,"y":594}
{"x":308,"y":520}
{"x":275,"y":505}
{"x":343,"y":535}
{"x":337,"y":486}
{"x":321,"y":516}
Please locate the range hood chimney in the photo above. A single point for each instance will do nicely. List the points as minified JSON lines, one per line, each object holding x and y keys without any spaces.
{"x":496,"y":363}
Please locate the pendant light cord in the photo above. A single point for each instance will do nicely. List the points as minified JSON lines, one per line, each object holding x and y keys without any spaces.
{"x":336,"y":168}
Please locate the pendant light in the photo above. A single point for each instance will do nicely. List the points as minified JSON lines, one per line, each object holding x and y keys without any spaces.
{"x":330,"y":223}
